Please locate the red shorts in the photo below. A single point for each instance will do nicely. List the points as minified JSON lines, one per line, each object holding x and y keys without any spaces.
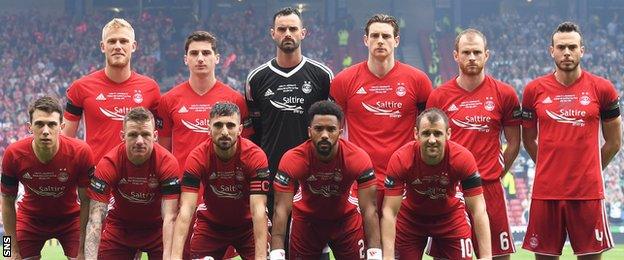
{"x":123,"y":243}
{"x":450,"y":235}
{"x":345,"y":237}
{"x":500,"y":233}
{"x":211,"y":239}
{"x":587,"y":228}
{"x":33,"y":232}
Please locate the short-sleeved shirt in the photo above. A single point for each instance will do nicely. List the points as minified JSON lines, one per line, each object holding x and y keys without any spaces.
{"x":185,"y":115}
{"x":137,"y":190}
{"x":324,"y":186}
{"x":477,"y":119}
{"x":49,"y":188}
{"x":105,"y":103}
{"x":227,"y":184}
{"x":381,"y":112}
{"x":278,"y":100}
{"x":568,"y":119}
{"x":430,"y":189}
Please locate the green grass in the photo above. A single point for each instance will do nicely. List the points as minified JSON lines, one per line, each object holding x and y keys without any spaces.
{"x":54,"y":251}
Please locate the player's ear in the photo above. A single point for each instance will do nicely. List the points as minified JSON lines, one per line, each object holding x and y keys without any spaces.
{"x":304,"y":31}
{"x":122,"y":135}
{"x":155,"y":135}
{"x":398,"y":40}
{"x":415,"y":133}
{"x":29,"y":124}
{"x":456,"y":55}
{"x":62,"y":126}
{"x":217,"y":58}
{"x":102,"y":49}
{"x":551,"y":49}
{"x":185,"y":59}
{"x":365,"y":40}
{"x":135,"y":45}
{"x":309,"y":132}
{"x":487,"y":55}
{"x":448,"y":133}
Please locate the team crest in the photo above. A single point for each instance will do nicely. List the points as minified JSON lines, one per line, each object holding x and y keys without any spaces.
{"x":152,"y":183}
{"x":137,"y":97}
{"x":62,"y":176}
{"x":401,"y":91}
{"x":489,"y":104}
{"x":306,"y":87}
{"x":337,"y":176}
{"x":239,"y":175}
{"x":585,"y":100}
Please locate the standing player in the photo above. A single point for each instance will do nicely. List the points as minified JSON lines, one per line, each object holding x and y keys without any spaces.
{"x":184,"y":108}
{"x":142,"y":178}
{"x":564,"y":113}
{"x":50,"y":167}
{"x":280,"y":91}
{"x":428,"y":171}
{"x":480,"y":108}
{"x":379,"y":93}
{"x":106,"y":95}
{"x":234,"y":172}
{"x":326,"y":167}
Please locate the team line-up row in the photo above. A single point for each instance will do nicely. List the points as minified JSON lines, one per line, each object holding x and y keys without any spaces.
{"x":386,"y":164}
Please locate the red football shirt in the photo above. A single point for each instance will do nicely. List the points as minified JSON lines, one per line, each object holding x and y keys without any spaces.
{"x":477,"y":119}
{"x":431,"y":189}
{"x":137,"y":191}
{"x":185,"y":115}
{"x":324,"y":187}
{"x":227,"y":185}
{"x":105,"y":103}
{"x":380,"y":112}
{"x":50,"y":188}
{"x":568,"y":120}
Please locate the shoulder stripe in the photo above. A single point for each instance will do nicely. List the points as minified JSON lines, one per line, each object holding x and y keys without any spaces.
{"x":323,"y":67}
{"x":256,"y":70}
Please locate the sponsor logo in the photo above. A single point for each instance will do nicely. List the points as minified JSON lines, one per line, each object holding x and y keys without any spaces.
{"x":138,"y":197}
{"x":117,"y":114}
{"x":100,"y":97}
{"x":329,"y":190}
{"x":489,"y":104}
{"x":306,"y":87}
{"x":361,"y":91}
{"x":568,"y":116}
{"x":27,"y":176}
{"x":385,"y":108}
{"x":228,"y":191}
{"x":123,"y":181}
{"x":401,"y":91}
{"x":183,"y":110}
{"x":452,"y":108}
{"x":269,"y":92}
{"x":213,"y":176}
{"x":547,"y":100}
{"x":198,"y":126}
{"x":48,"y":191}
{"x":137,"y":97}
{"x":478,"y":123}
{"x":286,"y":105}
{"x":62,"y":176}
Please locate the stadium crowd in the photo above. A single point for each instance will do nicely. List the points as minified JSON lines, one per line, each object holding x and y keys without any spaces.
{"x":53,"y":51}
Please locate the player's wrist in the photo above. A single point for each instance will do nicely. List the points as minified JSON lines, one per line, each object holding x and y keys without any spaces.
{"x":277,"y":254}
{"x":373,"y":254}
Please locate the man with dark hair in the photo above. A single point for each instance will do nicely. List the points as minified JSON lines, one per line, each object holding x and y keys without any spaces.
{"x":142,"y":177}
{"x":378,"y":93}
{"x":325,"y":167}
{"x":51,"y":168}
{"x":565,"y":111}
{"x":106,"y":95}
{"x":184,"y":108}
{"x":427,"y":172}
{"x":234,"y":172}
{"x":480,"y":108}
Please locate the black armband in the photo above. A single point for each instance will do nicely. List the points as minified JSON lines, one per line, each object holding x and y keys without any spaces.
{"x":190,"y":180}
{"x":98,"y":185}
{"x":170,"y":186}
{"x":367,"y":175}
{"x":8,"y":180}
{"x":389,"y":182}
{"x":282,"y":178}
{"x":471,"y":182}
{"x":421,"y":106}
{"x":612,"y":111}
{"x":528,"y":114}
{"x":72,"y":109}
{"x":516,"y":113}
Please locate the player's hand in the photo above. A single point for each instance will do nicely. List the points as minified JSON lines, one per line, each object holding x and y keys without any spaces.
{"x":373,"y":254}
{"x":277,"y":254}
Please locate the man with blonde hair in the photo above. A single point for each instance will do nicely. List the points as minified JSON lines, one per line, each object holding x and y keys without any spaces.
{"x":106,"y":95}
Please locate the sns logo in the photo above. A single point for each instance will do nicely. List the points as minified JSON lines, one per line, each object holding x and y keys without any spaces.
{"x":385,"y":108}
{"x":567,"y":116}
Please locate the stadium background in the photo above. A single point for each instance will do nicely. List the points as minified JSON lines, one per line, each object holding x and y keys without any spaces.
{"x":46,"y":44}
